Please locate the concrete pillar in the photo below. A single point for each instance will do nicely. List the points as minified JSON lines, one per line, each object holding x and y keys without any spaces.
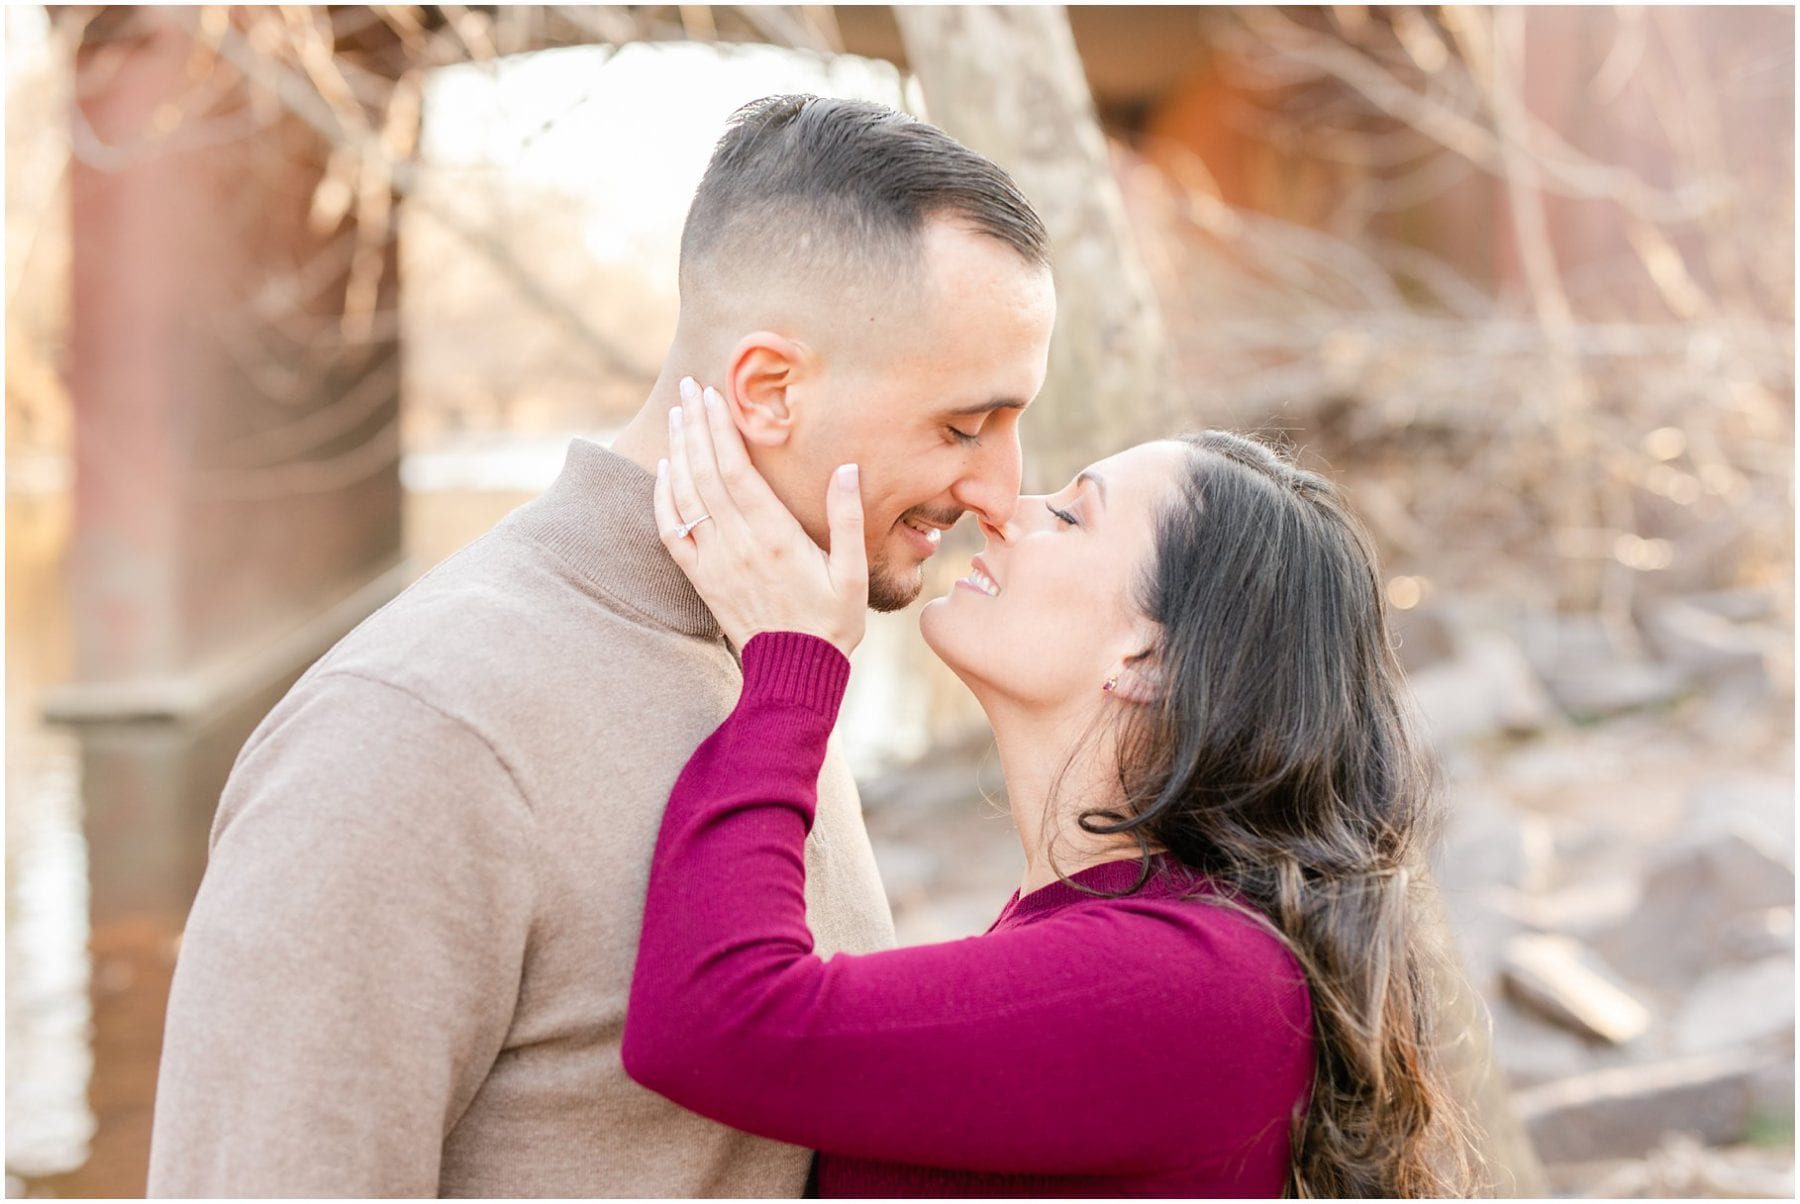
{"x":236,"y":448}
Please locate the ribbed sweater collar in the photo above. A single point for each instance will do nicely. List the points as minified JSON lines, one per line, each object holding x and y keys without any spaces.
{"x":1108,"y":878}
{"x":599,"y":516}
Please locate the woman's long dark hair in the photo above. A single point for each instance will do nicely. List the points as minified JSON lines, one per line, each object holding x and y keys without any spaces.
{"x":1282,"y":762}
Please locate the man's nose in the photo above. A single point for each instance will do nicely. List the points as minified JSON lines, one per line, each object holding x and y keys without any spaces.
{"x":999,"y":533}
{"x":991,"y":486}
{"x":1019,"y":523}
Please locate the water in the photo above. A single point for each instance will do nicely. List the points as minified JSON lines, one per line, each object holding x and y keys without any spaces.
{"x":106,"y":842}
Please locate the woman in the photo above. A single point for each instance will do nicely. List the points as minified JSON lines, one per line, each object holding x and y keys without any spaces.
{"x":1211,"y":982}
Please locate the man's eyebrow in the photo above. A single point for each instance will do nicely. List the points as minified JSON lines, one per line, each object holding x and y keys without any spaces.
{"x":1093,"y":478}
{"x":988,"y":407}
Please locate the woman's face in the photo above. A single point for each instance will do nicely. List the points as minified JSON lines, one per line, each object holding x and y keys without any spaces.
{"x":1047,"y":612}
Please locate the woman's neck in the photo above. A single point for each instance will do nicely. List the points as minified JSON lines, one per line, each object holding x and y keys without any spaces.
{"x":1047,"y":791}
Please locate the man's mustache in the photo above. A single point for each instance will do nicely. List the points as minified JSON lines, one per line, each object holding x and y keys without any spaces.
{"x":939,"y":518}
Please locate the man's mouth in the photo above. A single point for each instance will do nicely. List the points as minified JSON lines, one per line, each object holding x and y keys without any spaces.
{"x":931,"y":533}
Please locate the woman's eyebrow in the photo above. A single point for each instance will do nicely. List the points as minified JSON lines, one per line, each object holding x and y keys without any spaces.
{"x":987,"y":407}
{"x":1093,"y":478}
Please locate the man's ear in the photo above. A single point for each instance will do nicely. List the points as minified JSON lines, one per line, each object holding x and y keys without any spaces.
{"x":763,"y":370}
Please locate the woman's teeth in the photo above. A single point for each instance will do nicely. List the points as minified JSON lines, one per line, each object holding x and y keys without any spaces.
{"x":983,"y":582}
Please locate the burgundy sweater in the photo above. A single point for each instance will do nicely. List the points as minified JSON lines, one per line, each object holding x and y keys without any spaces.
{"x":1149,"y":1045}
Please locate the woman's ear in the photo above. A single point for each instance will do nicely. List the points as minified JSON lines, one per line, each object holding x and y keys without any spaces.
{"x":1140,"y":677}
{"x":1136,"y":684}
{"x":761,"y":375}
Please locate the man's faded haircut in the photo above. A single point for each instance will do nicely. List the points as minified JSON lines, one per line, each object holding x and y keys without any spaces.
{"x":810,"y":186}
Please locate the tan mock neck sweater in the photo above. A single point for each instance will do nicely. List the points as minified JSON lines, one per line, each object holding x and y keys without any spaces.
{"x":407,"y":967}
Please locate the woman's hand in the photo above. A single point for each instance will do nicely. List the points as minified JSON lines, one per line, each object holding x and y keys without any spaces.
{"x":750,"y":560}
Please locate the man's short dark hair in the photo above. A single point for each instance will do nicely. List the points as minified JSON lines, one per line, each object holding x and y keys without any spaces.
{"x":813,"y":182}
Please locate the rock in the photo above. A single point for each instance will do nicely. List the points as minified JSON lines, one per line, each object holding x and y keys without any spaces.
{"x":1489,"y":842}
{"x":1764,"y":934}
{"x":1480,"y":931}
{"x":1739,"y":863}
{"x":1625,"y":1112}
{"x":1705,"y":643}
{"x":1580,"y":909}
{"x":1764,"y":801}
{"x":1488,"y":687}
{"x":1584,"y":847}
{"x":1531,"y":1050}
{"x":1489,"y":849}
{"x":1740,"y":711}
{"x":1693,"y":895}
{"x":1772,"y":1092}
{"x":1740,"y":1005}
{"x":1589,"y":675}
{"x":1682,"y":1168}
{"x":1588,"y":691}
{"x":1570,"y":985}
{"x":1747,"y":604}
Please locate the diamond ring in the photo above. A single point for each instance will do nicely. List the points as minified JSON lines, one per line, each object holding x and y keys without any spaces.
{"x":681,"y":532}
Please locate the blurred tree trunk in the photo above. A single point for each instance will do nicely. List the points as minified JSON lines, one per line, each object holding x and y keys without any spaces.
{"x":1007,"y":82}
{"x":236,"y":438}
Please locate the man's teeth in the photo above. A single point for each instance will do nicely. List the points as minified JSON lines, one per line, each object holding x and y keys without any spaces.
{"x":983,"y":582}
{"x":932,"y":534}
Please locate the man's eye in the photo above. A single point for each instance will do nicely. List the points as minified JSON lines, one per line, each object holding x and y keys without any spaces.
{"x":965,"y":437}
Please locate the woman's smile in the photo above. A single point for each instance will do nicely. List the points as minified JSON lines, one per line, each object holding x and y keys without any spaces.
{"x":979,"y":580}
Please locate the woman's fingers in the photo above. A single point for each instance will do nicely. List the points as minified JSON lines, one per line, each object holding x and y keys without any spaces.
{"x":668,"y":519}
{"x":688,"y":504}
{"x":849,"y":558}
{"x":703,"y":465}
{"x":739,"y":476}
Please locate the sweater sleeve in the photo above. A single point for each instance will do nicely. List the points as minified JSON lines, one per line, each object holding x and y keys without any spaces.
{"x":349,"y":968}
{"x":1081,"y":1043}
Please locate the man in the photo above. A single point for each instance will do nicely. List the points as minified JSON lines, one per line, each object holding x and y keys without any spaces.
{"x":406,"y":970}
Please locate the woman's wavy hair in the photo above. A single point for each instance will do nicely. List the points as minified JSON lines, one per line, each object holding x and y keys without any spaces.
{"x":1282,"y":761}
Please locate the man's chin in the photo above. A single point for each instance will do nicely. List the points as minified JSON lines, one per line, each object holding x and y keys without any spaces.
{"x":890,"y":590}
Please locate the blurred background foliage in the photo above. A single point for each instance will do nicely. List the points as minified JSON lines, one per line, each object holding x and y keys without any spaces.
{"x":302,"y":298}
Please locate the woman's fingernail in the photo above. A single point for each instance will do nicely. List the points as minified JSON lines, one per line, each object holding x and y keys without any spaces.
{"x":662,"y":469}
{"x":690,"y":389}
{"x":674,"y":418}
{"x":846,"y":476}
{"x":713,"y":400}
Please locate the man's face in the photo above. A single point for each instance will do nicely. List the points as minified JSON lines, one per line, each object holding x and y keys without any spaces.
{"x":930,"y":412}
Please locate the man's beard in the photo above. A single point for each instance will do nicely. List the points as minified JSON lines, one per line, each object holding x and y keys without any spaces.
{"x":890,"y":590}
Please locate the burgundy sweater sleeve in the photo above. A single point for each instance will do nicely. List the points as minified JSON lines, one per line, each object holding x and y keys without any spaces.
{"x":1091,"y":1041}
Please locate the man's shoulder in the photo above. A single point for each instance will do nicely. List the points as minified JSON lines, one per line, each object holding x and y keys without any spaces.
{"x":500,"y":638}
{"x":499,"y":609}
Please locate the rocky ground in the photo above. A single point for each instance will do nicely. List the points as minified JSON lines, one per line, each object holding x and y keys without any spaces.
{"x":1618,"y":865}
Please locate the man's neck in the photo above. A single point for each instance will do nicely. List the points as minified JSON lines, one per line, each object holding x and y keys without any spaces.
{"x":645,"y":439}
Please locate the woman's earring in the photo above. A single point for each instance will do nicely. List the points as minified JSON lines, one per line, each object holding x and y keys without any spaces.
{"x":1110,"y":684}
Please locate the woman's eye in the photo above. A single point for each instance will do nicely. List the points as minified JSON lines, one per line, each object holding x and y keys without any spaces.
{"x":1062,"y":515}
{"x":964,"y":437}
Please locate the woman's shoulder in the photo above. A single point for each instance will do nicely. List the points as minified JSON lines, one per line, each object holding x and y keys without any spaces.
{"x":1186,"y":918}
{"x":1195,"y":960}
